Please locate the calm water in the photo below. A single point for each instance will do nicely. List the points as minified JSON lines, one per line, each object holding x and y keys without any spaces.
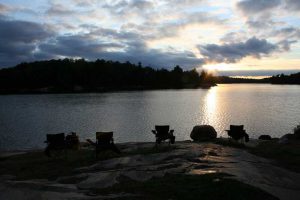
{"x":262,"y":108}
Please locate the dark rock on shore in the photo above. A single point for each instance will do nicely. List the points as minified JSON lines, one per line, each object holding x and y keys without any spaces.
{"x":265,"y":137}
{"x":203,"y":133}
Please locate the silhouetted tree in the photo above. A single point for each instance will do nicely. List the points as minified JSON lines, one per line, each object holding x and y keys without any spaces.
{"x":70,"y":75}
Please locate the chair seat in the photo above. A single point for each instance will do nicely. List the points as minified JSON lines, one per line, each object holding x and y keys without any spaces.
{"x":162,"y":133}
{"x":237,"y":132}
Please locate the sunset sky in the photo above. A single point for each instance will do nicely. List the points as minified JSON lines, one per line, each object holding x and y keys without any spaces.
{"x":249,"y":37}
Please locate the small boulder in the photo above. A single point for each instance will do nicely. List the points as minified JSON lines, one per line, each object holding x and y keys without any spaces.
{"x":265,"y":137}
{"x":203,"y":133}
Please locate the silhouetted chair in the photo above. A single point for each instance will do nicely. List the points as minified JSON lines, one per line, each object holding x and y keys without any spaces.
{"x":72,"y":141}
{"x":104,"y":141}
{"x":55,"y":142}
{"x":162,"y":133}
{"x":237,"y":132}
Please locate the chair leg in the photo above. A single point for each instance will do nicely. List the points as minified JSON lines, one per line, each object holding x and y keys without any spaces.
{"x":96,"y":153}
{"x":47,"y":151}
{"x":115,"y":149}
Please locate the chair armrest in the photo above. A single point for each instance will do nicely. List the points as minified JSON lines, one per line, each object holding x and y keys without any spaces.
{"x":91,"y":142}
{"x":154,"y":132}
{"x":171,"y":132}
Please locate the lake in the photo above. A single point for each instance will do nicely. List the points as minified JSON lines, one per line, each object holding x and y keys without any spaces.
{"x":262,"y":108}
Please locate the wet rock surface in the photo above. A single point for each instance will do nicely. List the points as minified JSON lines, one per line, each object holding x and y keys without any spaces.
{"x":186,"y":158}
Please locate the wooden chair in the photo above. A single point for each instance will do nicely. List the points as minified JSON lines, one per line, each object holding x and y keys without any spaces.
{"x":163,"y":133}
{"x":72,"y":141}
{"x":104,"y":141}
{"x":237,"y":132}
{"x":55,"y":142}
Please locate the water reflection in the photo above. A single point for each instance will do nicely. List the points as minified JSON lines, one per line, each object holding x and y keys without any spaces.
{"x":209,"y":107}
{"x":262,"y":108}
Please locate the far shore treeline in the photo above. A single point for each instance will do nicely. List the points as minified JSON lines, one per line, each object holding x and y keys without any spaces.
{"x":68,"y":75}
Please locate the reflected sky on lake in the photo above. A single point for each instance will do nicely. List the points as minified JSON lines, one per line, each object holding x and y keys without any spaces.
{"x":262,"y":108}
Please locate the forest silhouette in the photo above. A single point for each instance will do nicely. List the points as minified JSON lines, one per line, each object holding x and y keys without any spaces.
{"x":69,"y":75}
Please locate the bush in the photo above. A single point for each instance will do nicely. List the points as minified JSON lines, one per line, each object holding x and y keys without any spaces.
{"x":297,"y":131}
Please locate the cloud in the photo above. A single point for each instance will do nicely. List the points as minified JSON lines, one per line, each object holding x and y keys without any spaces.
{"x":250,"y":7}
{"x":59,"y":9}
{"x":18,"y":40}
{"x":257,"y":6}
{"x":287,"y":33}
{"x":128,"y":48}
{"x":157,"y":33}
{"x":124,"y":7}
{"x":233,"y":37}
{"x":3,"y":8}
{"x":76,"y":46}
{"x":293,"y":5}
{"x":260,"y":24}
{"x":285,"y":45}
{"x":27,"y":41}
{"x":233,"y":52}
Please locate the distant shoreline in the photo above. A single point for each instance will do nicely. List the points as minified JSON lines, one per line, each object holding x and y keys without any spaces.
{"x":81,"y":76}
{"x":104,"y":90}
{"x":40,"y":92}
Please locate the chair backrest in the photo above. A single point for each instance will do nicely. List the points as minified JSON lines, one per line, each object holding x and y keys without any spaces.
{"x":237,"y":132}
{"x":104,"y":137}
{"x":162,"y":130}
{"x":236,"y":128}
{"x":72,"y":139}
{"x":56,"y":139}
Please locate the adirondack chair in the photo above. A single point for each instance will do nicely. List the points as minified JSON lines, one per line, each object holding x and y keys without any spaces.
{"x":163,"y":133}
{"x":237,"y":132}
{"x":55,"y":142}
{"x":72,"y":141}
{"x":104,"y":141}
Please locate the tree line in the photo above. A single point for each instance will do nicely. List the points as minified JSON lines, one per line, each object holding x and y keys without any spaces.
{"x":285,"y":79}
{"x":69,"y":75}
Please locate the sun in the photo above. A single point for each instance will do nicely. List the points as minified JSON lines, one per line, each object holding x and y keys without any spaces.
{"x":214,"y":68}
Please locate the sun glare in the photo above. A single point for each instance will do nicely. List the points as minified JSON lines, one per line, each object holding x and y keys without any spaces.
{"x":214,"y":68}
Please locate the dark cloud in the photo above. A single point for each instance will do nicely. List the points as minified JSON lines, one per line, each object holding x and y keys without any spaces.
{"x":293,"y":5}
{"x":27,"y":41}
{"x":233,"y":52}
{"x":18,"y":40}
{"x":76,"y":46}
{"x":128,"y":48}
{"x":257,"y":6}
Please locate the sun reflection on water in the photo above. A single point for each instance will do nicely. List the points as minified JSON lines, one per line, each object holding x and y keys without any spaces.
{"x":209,"y":109}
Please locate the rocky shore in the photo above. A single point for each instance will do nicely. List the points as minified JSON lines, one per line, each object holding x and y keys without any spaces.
{"x":140,"y":163}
